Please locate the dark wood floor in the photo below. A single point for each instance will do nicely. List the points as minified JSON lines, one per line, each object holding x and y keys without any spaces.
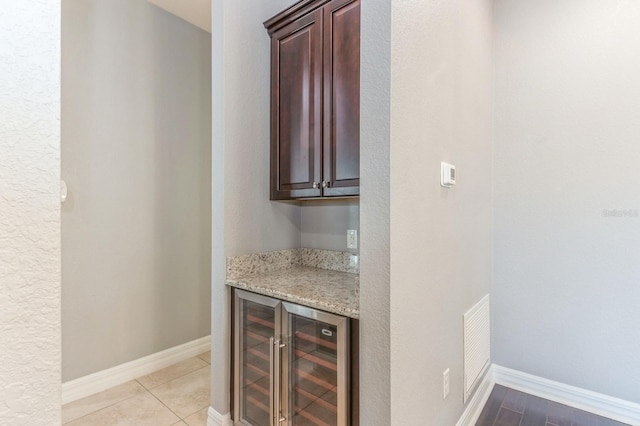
{"x":508,"y":407}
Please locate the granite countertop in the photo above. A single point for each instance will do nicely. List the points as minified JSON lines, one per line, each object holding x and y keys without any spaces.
{"x":293,"y":276}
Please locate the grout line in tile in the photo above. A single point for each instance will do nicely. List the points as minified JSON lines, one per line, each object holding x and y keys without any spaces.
{"x":140,"y":383}
{"x":115,"y":401}
{"x":191,"y":414}
{"x":106,"y":406}
{"x":148,"y":390}
{"x":168,"y":408}
{"x":207,"y":364}
{"x":200,"y":356}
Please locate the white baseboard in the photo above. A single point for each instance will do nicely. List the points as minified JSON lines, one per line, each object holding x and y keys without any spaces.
{"x":479,"y":399}
{"x":216,"y":419}
{"x":596,"y":403}
{"x":105,"y":379}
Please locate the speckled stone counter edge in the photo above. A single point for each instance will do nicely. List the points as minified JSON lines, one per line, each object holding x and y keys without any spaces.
{"x":341,"y":308}
{"x":260,"y":263}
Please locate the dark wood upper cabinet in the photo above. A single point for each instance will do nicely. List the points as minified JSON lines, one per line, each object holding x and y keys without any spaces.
{"x":315,"y":100}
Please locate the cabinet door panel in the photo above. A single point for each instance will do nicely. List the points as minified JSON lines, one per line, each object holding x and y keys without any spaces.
{"x":296,"y":109}
{"x":341,"y":162}
{"x":257,"y":320}
{"x":315,"y":376}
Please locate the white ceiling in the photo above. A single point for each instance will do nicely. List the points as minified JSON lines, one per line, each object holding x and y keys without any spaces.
{"x":196,"y":12}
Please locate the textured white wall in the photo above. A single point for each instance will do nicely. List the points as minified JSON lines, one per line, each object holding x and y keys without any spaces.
{"x":567,"y":154}
{"x":441,"y":109}
{"x":375,"y":197}
{"x":136,"y":155}
{"x":244,"y":220}
{"x":30,"y":213}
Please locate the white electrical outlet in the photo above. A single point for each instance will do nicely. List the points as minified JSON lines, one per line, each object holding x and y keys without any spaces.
{"x":352,"y":238}
{"x":445,"y":383}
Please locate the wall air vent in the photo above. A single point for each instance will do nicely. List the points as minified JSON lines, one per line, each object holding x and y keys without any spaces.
{"x":477,"y":344}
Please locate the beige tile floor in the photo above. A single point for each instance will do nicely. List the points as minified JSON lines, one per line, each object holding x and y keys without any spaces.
{"x":176,"y":395}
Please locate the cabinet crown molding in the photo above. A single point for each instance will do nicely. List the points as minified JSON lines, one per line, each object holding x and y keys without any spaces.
{"x":292,"y":14}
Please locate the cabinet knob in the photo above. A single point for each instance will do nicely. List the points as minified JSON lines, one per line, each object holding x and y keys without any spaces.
{"x":324,"y":184}
{"x":315,"y":185}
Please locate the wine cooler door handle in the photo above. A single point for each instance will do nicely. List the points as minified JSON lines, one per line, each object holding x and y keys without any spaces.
{"x":276,"y":380}
{"x":272,"y":381}
{"x":278,"y":417}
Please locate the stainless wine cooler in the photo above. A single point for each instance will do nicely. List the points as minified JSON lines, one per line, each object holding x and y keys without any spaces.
{"x":291,"y":364}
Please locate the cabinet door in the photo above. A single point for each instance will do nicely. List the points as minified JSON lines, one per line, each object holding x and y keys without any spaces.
{"x":341,"y":162}
{"x":315,"y":367}
{"x":257,"y":324}
{"x":296,"y":113}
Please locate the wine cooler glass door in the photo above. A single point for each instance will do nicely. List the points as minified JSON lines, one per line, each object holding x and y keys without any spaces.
{"x":258,"y":324}
{"x":314,"y":367}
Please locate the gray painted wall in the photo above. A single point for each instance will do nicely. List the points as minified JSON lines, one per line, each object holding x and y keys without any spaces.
{"x":30,"y":213}
{"x":567,"y":154}
{"x":136,"y":131}
{"x":324,"y":224}
{"x":244,"y":220}
{"x":441,"y":109}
